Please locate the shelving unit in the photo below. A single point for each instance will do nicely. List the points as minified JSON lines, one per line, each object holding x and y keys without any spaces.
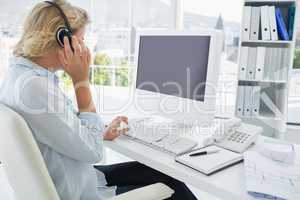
{"x":264,"y":81}
{"x":272,"y":115}
{"x":261,"y":42}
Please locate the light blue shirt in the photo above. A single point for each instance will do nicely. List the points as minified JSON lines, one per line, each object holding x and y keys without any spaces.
{"x":70,"y":142}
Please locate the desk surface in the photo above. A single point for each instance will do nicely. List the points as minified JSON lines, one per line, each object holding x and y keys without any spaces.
{"x":227,"y":184}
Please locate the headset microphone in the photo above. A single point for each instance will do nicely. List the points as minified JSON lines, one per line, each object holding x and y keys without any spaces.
{"x":64,"y":31}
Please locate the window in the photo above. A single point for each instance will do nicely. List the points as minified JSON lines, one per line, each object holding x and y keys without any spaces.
{"x":294,"y":86}
{"x":153,"y":14}
{"x":11,"y":18}
{"x":111,"y":36}
{"x":112,"y":33}
{"x":108,"y":38}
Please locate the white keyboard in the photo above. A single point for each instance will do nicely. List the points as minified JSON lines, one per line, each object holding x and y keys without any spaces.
{"x":145,"y":130}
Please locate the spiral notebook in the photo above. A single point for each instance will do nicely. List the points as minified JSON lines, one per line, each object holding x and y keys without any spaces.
{"x":211,"y":163}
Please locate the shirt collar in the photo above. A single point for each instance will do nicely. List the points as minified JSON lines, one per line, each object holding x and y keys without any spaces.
{"x":40,"y":71}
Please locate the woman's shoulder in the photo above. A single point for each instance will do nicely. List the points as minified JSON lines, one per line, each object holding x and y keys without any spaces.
{"x":27,"y":82}
{"x":28,"y":74}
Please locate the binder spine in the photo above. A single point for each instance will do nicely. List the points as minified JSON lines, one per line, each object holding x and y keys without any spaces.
{"x":248,"y":101}
{"x":246,"y":23}
{"x":243,"y":63}
{"x":273,"y":24}
{"x":260,"y":63}
{"x":240,"y":101}
{"x":255,"y":100}
{"x":251,"y":67}
{"x":283,"y":34}
{"x":255,"y":20}
{"x":265,"y":24}
{"x":291,"y":21}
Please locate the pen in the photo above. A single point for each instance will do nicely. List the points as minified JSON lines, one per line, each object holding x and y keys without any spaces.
{"x":204,"y":153}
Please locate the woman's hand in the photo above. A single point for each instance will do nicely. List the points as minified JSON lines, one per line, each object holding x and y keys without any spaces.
{"x":112,"y":131}
{"x":76,"y":63}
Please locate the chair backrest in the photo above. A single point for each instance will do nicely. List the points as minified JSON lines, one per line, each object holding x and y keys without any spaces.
{"x":22,"y":160}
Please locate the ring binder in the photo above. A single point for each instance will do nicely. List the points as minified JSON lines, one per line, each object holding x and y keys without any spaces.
{"x":255,"y":17}
{"x":265,"y":24}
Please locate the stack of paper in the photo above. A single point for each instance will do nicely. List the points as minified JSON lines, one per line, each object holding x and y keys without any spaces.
{"x":268,"y":179}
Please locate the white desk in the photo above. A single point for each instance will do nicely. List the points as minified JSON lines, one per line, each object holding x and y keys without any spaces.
{"x":228,"y":184}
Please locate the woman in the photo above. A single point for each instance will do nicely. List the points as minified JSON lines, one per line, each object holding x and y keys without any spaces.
{"x":69,"y":138}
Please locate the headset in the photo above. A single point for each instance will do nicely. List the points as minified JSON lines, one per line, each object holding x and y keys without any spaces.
{"x":64,"y":31}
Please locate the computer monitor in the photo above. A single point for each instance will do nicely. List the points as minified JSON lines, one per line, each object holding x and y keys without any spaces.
{"x":177,"y":75}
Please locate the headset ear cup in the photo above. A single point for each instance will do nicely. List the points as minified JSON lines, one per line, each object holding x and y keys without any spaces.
{"x":61,"y":33}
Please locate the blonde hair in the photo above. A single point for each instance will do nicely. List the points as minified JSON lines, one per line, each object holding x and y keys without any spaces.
{"x":39,"y":31}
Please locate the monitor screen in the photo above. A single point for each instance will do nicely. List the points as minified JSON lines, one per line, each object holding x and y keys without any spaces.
{"x":174,"y":65}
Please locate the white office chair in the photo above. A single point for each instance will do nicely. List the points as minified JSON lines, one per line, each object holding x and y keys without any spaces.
{"x":26,"y":170}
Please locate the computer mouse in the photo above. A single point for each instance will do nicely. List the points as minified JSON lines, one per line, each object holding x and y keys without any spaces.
{"x":123,"y":126}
